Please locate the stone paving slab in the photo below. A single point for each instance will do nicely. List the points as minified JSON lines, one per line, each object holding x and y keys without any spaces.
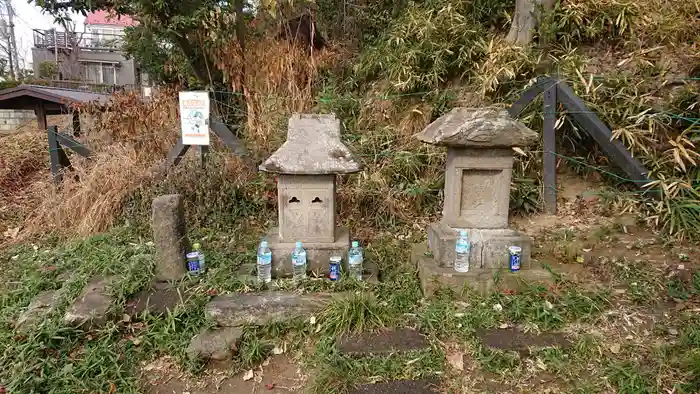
{"x":383,"y":343}
{"x":263,"y":308}
{"x":91,"y":309}
{"x":428,"y":386}
{"x":157,"y":300}
{"x":216,"y":344}
{"x":41,"y":306}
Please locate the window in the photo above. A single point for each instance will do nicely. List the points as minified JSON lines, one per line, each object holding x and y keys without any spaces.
{"x":109,"y":74}
{"x":103,"y":73}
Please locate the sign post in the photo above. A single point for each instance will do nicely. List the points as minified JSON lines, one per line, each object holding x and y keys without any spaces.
{"x":194,"y":120}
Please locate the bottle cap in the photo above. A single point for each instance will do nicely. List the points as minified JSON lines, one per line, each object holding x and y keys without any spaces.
{"x":336,"y":259}
{"x":196,"y":246}
{"x":263,"y":244}
{"x":298,"y":244}
{"x":462,"y":233}
{"x":355,"y":244}
{"x":515,"y":249}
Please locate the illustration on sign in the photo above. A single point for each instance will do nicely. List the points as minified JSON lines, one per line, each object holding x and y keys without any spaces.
{"x":194,"y":118}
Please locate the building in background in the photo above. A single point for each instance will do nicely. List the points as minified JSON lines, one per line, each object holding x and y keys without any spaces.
{"x":87,"y":60}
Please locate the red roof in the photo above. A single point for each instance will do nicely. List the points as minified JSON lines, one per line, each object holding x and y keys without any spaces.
{"x":108,"y":18}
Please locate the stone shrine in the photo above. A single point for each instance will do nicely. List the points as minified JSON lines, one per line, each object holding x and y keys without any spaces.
{"x":477,"y":193}
{"x":307,"y":164}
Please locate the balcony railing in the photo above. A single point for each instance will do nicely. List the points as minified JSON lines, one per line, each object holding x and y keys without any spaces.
{"x":91,"y":87}
{"x":51,"y":39}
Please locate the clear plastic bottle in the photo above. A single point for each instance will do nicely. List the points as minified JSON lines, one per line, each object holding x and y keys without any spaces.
{"x":264,"y":263}
{"x":462,"y":251}
{"x":299,"y":262}
{"x":355,"y":259}
{"x":198,"y":248}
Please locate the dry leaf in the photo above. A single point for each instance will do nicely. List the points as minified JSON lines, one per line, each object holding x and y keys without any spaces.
{"x":277,"y":350}
{"x":248,"y":375}
{"x":258,"y":378}
{"x":11,"y":233}
{"x":615,"y":348}
{"x":456,"y":360}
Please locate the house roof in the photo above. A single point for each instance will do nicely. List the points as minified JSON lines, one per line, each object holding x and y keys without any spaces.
{"x":108,"y":18}
{"x":15,"y":98}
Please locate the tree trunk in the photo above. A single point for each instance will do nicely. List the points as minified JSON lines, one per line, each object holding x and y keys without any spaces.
{"x":526,"y":20}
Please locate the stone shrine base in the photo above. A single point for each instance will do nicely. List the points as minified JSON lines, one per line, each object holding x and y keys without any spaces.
{"x":482,"y":280}
{"x":489,"y":246}
{"x":318,"y":254}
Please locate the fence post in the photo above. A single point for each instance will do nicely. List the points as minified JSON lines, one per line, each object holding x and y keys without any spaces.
{"x":59,"y":159}
{"x":550,"y":160}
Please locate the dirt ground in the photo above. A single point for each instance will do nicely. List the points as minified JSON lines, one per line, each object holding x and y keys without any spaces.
{"x":277,"y":375}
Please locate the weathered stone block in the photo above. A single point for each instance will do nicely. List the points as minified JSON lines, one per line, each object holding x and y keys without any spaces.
{"x":92,"y":308}
{"x":169,"y":237}
{"x":482,"y":280}
{"x":478,"y":128}
{"x":318,"y":254}
{"x":383,"y":343}
{"x":313,"y":147}
{"x":306,"y":208}
{"x":263,"y":308}
{"x":489,"y":247}
{"x":477,"y":188}
{"x":217,"y":344}
{"x":423,"y":386}
{"x":160,"y":299}
{"x":40,"y":307}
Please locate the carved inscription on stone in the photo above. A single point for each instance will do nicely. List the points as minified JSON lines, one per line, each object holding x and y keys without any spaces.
{"x":479,"y":193}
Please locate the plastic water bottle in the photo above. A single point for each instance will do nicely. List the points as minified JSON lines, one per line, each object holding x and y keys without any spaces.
{"x":355,"y":259}
{"x":299,"y":262}
{"x":198,"y":248}
{"x":264,"y":263}
{"x":462,"y":252}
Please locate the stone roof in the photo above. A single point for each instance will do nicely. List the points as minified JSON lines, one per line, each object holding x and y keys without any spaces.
{"x":478,"y":128}
{"x":313,"y":147}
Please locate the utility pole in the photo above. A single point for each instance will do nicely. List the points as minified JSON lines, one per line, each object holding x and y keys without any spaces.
{"x":13,"y":49}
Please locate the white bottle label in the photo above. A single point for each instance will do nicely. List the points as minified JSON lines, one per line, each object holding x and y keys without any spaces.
{"x":300,"y":259}
{"x":355,"y":260}
{"x":462,"y":247}
{"x":265,"y":259}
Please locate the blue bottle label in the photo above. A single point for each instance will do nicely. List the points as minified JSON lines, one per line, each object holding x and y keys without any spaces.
{"x":193,"y":266}
{"x":334,"y":271}
{"x":514,"y":262}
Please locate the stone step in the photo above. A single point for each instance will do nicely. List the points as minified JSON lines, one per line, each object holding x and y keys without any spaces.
{"x":264,"y":308}
{"x":383,"y":343}
{"x":424,"y":386}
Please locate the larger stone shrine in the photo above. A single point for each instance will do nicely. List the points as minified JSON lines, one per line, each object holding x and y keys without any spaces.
{"x":477,"y":194}
{"x":307,"y":164}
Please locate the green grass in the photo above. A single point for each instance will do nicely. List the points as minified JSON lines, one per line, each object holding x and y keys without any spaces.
{"x":50,"y":358}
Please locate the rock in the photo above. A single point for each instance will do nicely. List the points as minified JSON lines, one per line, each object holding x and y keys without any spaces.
{"x":91,"y":309}
{"x":383,"y":343}
{"x":216,"y":344}
{"x":313,"y":147}
{"x":158,"y":300}
{"x":263,"y":308}
{"x":169,"y":237}
{"x":40,"y":307}
{"x":478,"y":128}
{"x":429,"y":386}
{"x":513,"y":339}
